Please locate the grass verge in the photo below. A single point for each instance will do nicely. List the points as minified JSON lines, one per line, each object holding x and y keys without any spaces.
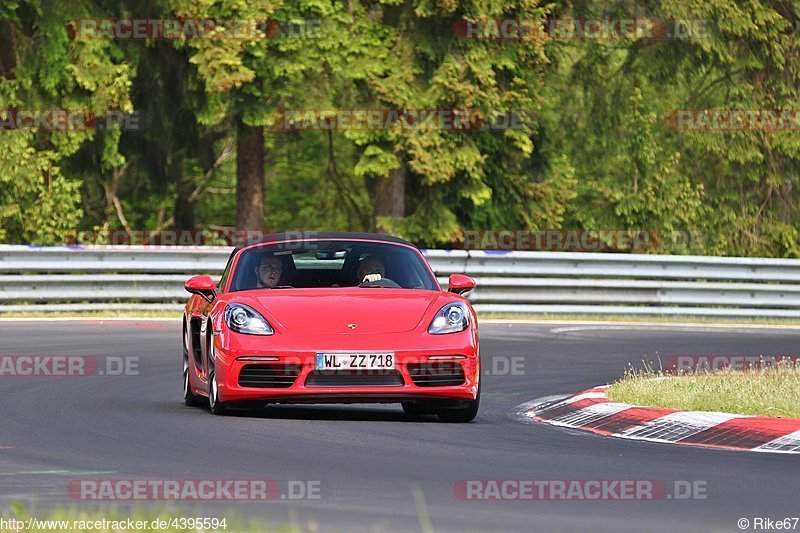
{"x":772,"y":391}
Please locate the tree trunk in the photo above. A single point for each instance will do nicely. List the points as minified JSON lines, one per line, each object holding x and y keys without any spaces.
{"x":249,"y":177}
{"x":8,"y":49}
{"x":390,"y":196}
{"x":787,"y":201}
{"x":183,"y":213}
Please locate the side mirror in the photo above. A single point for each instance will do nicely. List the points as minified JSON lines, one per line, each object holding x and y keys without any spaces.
{"x":202,"y":286}
{"x":461,"y":283}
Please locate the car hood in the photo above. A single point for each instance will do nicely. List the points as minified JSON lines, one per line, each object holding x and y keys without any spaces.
{"x":336,"y":310}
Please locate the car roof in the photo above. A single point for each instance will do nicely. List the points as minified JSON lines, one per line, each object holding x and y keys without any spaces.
{"x":322,"y":235}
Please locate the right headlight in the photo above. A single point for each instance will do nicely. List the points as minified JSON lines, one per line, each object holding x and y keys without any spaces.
{"x":451,"y":318}
{"x":243,"y":319}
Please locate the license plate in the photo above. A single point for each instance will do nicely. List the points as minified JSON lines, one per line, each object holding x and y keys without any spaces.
{"x":355,"y":361}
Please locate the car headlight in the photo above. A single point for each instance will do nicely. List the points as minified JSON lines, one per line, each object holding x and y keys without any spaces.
{"x":243,"y":319}
{"x":451,"y":318}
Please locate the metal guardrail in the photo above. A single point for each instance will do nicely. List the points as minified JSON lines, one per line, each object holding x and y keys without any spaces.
{"x":102,"y":278}
{"x":111,"y":259}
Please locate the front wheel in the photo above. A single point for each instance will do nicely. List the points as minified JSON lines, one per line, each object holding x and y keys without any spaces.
{"x":217,"y":407}
{"x":189,"y":398}
{"x":462,"y":414}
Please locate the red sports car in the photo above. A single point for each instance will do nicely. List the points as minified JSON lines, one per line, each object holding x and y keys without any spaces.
{"x":333,"y":318}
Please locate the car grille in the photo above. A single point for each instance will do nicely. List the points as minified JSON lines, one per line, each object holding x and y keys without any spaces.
{"x":354,"y":378}
{"x":268,"y":376}
{"x":443,"y":374}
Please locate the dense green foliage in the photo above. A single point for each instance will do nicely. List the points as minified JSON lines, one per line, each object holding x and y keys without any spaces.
{"x":600,"y":137}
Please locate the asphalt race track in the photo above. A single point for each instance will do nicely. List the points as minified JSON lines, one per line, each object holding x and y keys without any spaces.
{"x":379,"y":469}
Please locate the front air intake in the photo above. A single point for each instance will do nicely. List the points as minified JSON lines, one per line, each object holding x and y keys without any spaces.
{"x":271,"y":376}
{"x":444,"y":374}
{"x":354,"y":378}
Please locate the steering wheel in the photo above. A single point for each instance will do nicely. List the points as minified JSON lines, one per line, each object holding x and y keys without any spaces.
{"x":385,"y":283}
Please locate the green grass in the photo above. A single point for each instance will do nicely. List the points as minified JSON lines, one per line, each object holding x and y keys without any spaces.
{"x":769,"y":392}
{"x":233,"y":523}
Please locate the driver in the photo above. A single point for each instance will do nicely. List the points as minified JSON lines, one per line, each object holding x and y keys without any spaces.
{"x":371,"y":268}
{"x":269,"y":272}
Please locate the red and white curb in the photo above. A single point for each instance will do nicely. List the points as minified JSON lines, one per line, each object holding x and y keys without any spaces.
{"x":593,"y":410}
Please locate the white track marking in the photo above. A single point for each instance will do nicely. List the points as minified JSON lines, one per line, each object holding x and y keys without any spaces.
{"x":787,"y":443}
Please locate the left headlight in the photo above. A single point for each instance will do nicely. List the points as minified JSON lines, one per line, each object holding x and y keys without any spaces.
{"x":243,"y":319}
{"x":451,"y":318}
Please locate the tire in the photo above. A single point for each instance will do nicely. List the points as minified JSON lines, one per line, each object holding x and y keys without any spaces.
{"x":189,"y":399}
{"x":214,"y":405}
{"x":417,"y":409}
{"x":464,"y":414}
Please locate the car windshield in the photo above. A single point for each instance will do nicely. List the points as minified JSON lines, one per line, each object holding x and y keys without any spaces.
{"x":330,"y":264}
